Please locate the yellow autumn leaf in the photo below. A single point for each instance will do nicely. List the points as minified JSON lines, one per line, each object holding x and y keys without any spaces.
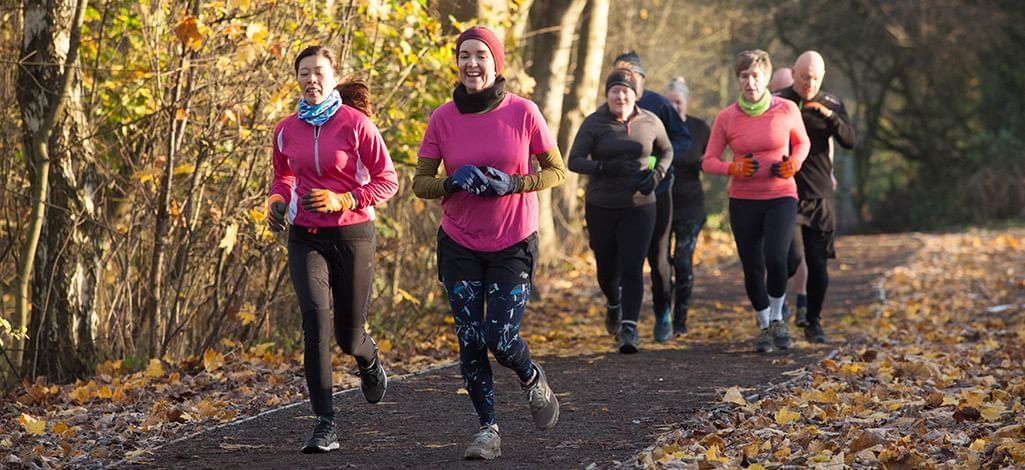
{"x":384,"y":346}
{"x":785,"y":416}
{"x":462,"y":391}
{"x":257,"y":215}
{"x":105,"y":392}
{"x":257,"y":33}
{"x":212,"y":360}
{"x":755,"y":466}
{"x":712,"y":455}
{"x":33,"y":426}
{"x":992,"y":413}
{"x":851,"y":369}
{"x":247,"y":314}
{"x":228,"y":343}
{"x":155,"y":369}
{"x":240,"y":4}
{"x":978,"y":446}
{"x":81,"y":394}
{"x":61,"y":428}
{"x":733,"y":396}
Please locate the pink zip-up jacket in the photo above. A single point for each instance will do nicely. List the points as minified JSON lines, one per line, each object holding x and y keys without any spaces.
{"x":776,"y":132}
{"x":346,"y":154}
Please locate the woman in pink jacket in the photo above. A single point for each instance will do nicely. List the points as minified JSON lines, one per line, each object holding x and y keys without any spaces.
{"x":767,"y":137}
{"x":330,"y":168}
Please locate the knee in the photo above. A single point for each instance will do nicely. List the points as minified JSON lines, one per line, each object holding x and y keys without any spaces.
{"x":500,"y":339}
{"x":350,"y":339}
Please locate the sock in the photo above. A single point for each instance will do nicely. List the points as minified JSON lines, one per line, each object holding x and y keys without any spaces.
{"x":802,"y":300}
{"x":533,"y":378}
{"x":776,"y":307}
{"x":763,"y":318}
{"x":630,"y":322}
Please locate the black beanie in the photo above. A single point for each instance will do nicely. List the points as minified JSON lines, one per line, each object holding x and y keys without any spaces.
{"x":623,"y":77}
{"x":629,"y":60}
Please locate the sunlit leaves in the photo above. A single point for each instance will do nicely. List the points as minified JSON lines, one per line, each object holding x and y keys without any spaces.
{"x":188,"y":32}
{"x":32,"y":425}
{"x":154,"y":369}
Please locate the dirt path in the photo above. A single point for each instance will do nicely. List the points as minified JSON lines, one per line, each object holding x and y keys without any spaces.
{"x":612,"y":405}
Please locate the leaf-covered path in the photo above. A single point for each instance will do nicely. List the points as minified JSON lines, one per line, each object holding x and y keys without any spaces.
{"x":612,"y":405}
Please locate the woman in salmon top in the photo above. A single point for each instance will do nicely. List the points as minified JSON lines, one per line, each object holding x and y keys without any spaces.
{"x":767,"y":137}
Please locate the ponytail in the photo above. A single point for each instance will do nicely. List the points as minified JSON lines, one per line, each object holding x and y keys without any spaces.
{"x":355,"y":93}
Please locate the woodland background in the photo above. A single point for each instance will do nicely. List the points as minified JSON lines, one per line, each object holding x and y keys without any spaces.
{"x":136,"y":145}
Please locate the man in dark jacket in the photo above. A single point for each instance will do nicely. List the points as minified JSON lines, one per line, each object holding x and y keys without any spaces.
{"x":825,"y":119}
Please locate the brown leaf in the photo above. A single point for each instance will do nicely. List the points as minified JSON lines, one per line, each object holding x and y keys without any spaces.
{"x":868,"y":438}
{"x":967,"y":414}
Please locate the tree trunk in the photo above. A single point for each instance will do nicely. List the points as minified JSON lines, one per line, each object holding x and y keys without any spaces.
{"x":586,"y":89}
{"x":51,"y":37}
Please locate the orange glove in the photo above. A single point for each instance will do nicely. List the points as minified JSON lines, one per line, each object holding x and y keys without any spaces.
{"x":819,"y":108}
{"x":323,"y":200}
{"x":276,"y":212}
{"x":786,"y":168}
{"x":743,"y":167}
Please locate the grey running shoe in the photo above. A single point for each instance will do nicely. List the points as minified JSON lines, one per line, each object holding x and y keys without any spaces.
{"x":613,"y":315}
{"x":780,"y":334}
{"x":801,"y":319}
{"x":813,"y":333}
{"x":544,"y":406}
{"x":628,"y":338}
{"x":373,"y":382}
{"x":680,"y":321}
{"x":324,"y":437}
{"x":763,"y":343}
{"x":486,"y":445}
{"x":663,"y":326}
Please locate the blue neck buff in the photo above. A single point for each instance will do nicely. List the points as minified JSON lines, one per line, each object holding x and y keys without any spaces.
{"x":318,"y":114}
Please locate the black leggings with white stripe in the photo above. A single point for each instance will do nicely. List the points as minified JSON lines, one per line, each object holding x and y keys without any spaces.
{"x":762,"y":231}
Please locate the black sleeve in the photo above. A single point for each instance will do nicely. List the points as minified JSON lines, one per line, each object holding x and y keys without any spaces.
{"x":583,"y":143}
{"x":698,"y":141}
{"x":840,"y":125}
{"x":676,"y":129}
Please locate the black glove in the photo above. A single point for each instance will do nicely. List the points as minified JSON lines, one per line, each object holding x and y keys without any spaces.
{"x":649,"y":180}
{"x":619,"y":167}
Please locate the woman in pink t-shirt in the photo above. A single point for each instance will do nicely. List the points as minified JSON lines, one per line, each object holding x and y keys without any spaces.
{"x":487,"y":243}
{"x":769,"y":143}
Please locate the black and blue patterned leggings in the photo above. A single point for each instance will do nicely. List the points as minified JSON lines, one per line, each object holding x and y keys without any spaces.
{"x":497,"y":331}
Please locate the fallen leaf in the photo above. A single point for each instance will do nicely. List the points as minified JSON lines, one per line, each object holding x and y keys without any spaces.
{"x":785,"y":416}
{"x":733,"y":396}
{"x":154,"y":369}
{"x":33,"y":426}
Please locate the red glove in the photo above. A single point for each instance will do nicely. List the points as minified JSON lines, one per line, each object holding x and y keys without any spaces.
{"x":743,"y":167}
{"x":786,"y":168}
{"x":323,"y":200}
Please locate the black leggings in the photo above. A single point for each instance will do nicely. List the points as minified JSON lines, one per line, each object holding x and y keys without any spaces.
{"x":620,"y":239}
{"x":686,"y":232}
{"x":332,"y":263}
{"x":658,"y":253}
{"x":813,"y":246}
{"x":762,"y":231}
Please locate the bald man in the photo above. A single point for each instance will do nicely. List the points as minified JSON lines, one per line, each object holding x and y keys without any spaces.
{"x":782,"y":79}
{"x":825,"y":118}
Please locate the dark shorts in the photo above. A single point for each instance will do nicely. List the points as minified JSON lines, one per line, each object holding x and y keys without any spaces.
{"x":514,"y":264}
{"x":818,"y":215}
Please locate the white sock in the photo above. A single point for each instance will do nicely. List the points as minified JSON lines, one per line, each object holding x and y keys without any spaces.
{"x":763,"y":318}
{"x":776,"y":307}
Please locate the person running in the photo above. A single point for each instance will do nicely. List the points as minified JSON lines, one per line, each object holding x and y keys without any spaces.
{"x":769,"y":144}
{"x":825,"y":118}
{"x":487,"y":242}
{"x":331,"y":167}
{"x":782,"y":78}
{"x":658,"y":250}
{"x":619,"y":202}
{"x":688,"y":203}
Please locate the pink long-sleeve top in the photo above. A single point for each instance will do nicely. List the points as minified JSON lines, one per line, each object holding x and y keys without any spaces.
{"x":345,"y":154}
{"x":768,"y":137}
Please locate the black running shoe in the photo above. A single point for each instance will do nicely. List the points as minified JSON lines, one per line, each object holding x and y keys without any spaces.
{"x":680,"y":321}
{"x":628,"y":338}
{"x":813,"y":333}
{"x":324,"y":437}
{"x":613,"y":316}
{"x":373,"y":382}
